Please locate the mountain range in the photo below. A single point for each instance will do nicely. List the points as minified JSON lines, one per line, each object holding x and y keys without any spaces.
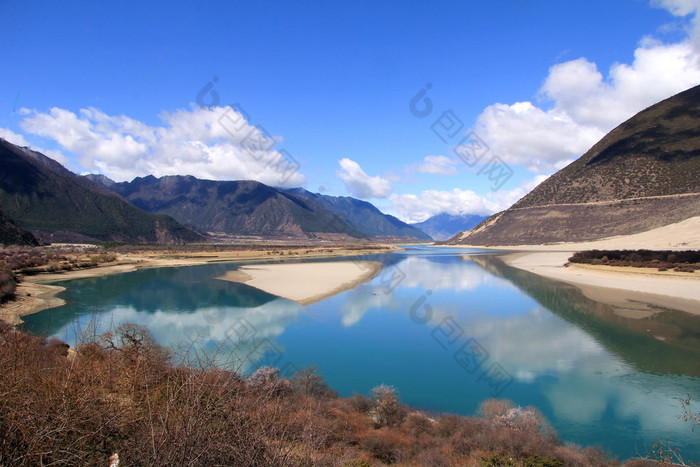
{"x":55,"y":204}
{"x":44,"y":197}
{"x":642,"y":175}
{"x":364,"y":216}
{"x":445,"y":226}
{"x":253,"y":209}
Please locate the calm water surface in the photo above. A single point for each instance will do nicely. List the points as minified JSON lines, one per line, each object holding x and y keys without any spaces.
{"x":447,"y":327}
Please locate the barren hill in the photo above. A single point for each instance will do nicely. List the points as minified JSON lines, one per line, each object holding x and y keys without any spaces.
{"x":642,"y":175}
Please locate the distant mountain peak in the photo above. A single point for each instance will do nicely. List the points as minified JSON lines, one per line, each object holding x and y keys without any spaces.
{"x":364,"y":216}
{"x":444,"y":226}
{"x":101,"y":179}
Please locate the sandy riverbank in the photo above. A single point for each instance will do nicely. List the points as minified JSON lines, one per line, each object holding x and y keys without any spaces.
{"x":629,"y":290}
{"x":306,"y":283}
{"x":34,"y":294}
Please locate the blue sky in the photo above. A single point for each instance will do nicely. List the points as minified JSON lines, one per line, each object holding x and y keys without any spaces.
{"x":322,"y":90}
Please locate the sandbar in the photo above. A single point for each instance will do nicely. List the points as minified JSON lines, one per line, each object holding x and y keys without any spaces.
{"x":305,"y":283}
{"x":626,"y":289}
{"x":34,"y":293}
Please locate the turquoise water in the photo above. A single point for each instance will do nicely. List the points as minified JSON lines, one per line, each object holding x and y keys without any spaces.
{"x":447,"y":327}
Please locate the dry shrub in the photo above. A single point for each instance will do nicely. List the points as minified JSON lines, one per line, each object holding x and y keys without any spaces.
{"x":117,"y":400}
{"x":417,"y":423}
{"x":359,"y":403}
{"x":470,"y":435}
{"x":8,"y":285}
{"x":448,"y":424}
{"x":309,"y":381}
{"x":433,"y":458}
{"x":58,"y":346}
{"x":133,"y":343}
{"x":267,"y":379}
{"x":493,"y":408}
{"x":357,"y":463}
{"x":388,"y":409}
{"x":386,"y":445}
{"x":358,"y":425}
{"x":575,"y":457}
{"x":120,"y":394}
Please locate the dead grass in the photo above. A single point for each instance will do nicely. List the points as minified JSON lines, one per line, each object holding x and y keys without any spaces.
{"x":119,"y":393}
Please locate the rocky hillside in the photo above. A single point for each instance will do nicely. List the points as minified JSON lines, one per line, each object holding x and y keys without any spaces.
{"x":642,"y":175}
{"x":44,"y":197}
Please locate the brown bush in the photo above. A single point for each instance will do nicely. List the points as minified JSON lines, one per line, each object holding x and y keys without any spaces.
{"x":663,"y":260}
{"x":470,"y":436}
{"x":310,"y":382}
{"x":386,"y":445}
{"x":119,"y":393}
{"x":388,"y":409}
{"x":8,"y":285}
{"x":491,"y":409}
{"x":267,"y":379}
{"x":417,"y":423}
{"x":360,"y":403}
{"x":448,"y":424}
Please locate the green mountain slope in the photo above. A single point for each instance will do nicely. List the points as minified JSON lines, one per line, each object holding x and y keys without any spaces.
{"x":43,"y":196}
{"x":10,"y":234}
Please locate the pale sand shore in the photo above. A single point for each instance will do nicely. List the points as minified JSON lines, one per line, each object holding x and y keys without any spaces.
{"x":627,"y":289}
{"x":34,"y":294}
{"x":306,"y":283}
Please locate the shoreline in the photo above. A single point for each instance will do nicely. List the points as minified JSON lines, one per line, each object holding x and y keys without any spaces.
{"x":38,"y":293}
{"x":636,"y":293}
{"x":632,"y":293}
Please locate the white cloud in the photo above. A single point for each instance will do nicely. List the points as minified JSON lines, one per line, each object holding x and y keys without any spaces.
{"x":678,"y":7}
{"x":361,"y":185}
{"x":360,"y":300}
{"x":581,"y":105}
{"x":523,"y":134}
{"x":210,"y":330}
{"x":214,"y":143}
{"x":417,"y":208}
{"x":13,"y":137}
{"x":441,"y":165}
{"x":684,"y":8}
